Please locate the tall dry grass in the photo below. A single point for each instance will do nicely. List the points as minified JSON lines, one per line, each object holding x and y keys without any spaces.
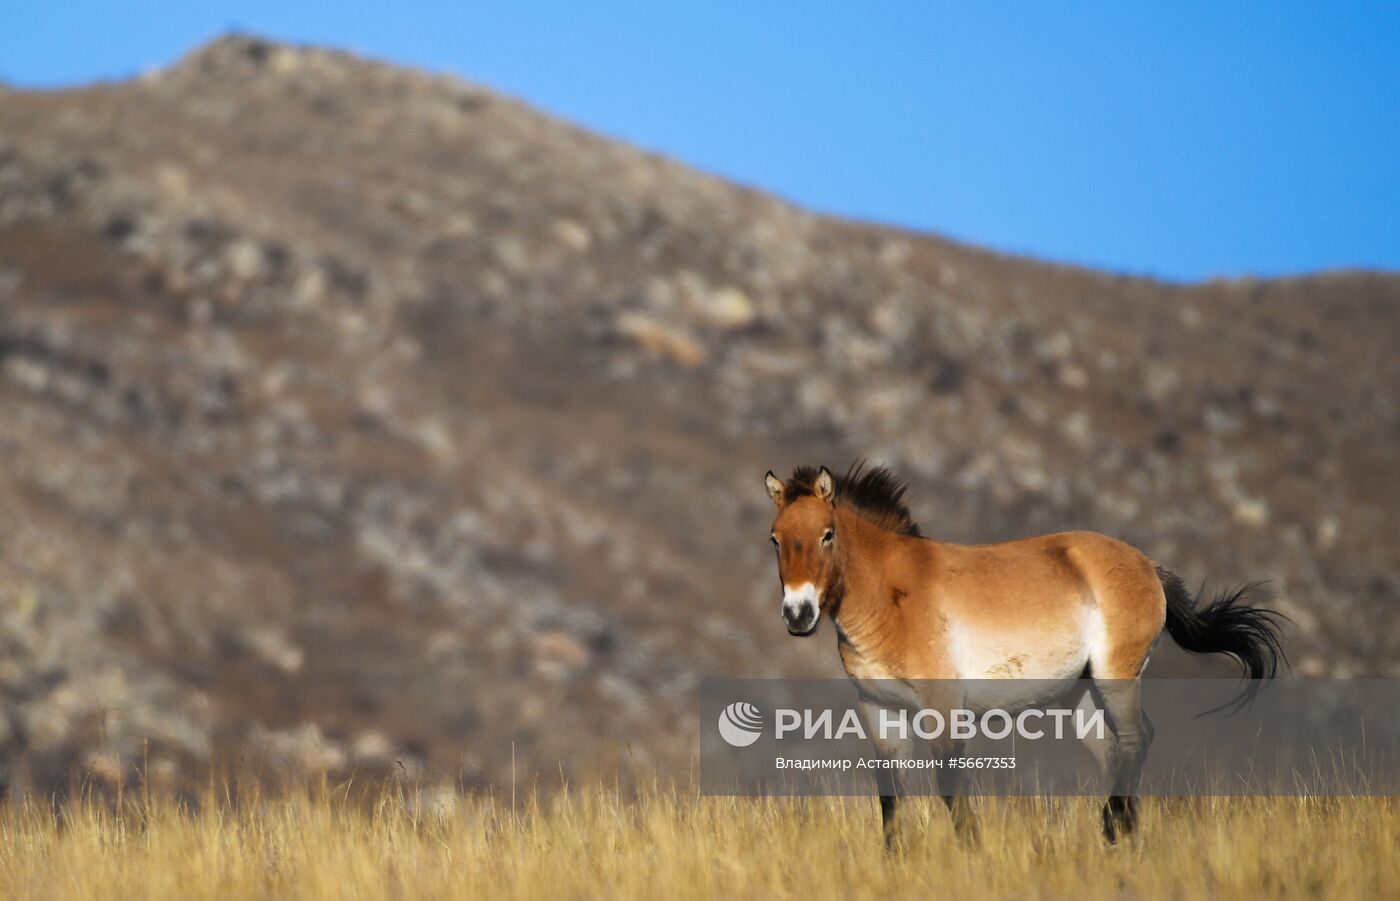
{"x":594,"y":843}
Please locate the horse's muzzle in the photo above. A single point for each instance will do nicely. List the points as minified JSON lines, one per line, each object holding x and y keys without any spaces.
{"x":801,"y":618}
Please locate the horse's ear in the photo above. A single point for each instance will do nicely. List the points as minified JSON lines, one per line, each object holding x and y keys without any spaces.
{"x":775,"y":488}
{"x":825,"y":485}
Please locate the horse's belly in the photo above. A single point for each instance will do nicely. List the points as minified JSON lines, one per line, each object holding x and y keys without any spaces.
{"x":1050,"y":652}
{"x":1014,"y":679}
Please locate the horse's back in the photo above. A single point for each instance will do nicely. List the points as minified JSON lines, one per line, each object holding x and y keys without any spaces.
{"x":1066,"y":563}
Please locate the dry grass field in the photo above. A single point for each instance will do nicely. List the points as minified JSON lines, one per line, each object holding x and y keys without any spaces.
{"x":595,"y":844}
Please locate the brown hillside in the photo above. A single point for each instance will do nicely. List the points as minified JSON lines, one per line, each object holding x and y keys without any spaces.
{"x":352,"y":416}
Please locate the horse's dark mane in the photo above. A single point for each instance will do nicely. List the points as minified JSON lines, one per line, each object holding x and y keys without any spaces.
{"x":875,"y":493}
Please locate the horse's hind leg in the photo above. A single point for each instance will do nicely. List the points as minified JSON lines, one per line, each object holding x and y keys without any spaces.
{"x":1121,"y":700}
{"x":1124,"y":623}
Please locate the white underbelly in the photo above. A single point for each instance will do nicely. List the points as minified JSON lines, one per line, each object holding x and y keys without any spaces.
{"x":1014,"y":668}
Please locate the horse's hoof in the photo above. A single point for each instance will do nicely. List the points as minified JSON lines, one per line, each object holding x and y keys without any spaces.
{"x":1119,"y":819}
{"x":1110,"y":829}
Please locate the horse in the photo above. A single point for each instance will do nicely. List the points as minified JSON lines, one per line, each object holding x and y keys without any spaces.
{"x":912,"y":612}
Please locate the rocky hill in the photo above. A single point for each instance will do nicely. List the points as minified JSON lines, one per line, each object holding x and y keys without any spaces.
{"x":358,"y":419}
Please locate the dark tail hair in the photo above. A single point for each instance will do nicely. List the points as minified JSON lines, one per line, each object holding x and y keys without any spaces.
{"x":1226,"y":625}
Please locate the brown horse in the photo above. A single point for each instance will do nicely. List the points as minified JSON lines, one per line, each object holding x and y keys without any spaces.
{"x":1058,"y":607}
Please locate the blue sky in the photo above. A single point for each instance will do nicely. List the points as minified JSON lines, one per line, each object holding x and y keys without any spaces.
{"x":1184,"y":140}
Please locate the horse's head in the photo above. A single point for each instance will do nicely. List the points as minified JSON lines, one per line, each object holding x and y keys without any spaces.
{"x":804,"y":534}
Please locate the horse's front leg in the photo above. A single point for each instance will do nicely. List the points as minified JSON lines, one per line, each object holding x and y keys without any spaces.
{"x":894,"y":806}
{"x":951,"y":782}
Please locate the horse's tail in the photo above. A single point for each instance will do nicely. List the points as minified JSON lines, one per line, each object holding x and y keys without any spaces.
{"x":1226,"y":625}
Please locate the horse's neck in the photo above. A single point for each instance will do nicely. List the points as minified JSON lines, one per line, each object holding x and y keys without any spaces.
{"x":866,"y":611}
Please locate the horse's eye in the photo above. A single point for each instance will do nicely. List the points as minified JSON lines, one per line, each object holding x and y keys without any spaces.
{"x":827,"y":536}
{"x":774,"y":539}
